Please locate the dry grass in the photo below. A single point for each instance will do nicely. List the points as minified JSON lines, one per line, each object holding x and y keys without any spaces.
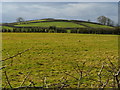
{"x":54,"y":54}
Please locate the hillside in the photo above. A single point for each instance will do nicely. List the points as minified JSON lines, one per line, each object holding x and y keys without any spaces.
{"x":58,"y":23}
{"x":58,"y":26}
{"x":48,"y":24}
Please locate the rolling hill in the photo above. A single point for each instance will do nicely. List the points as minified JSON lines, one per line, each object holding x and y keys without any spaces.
{"x":58,"y":26}
{"x":57,"y":23}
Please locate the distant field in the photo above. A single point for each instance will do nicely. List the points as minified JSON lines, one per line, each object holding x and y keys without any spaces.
{"x":6,"y":27}
{"x":59,"y":26}
{"x":96,"y":26}
{"x":54,"y":54}
{"x":48,"y":24}
{"x":36,"y":20}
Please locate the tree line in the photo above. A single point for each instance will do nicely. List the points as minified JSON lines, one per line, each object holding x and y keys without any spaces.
{"x":54,"y":29}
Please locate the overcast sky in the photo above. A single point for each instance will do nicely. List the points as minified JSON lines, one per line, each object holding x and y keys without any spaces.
{"x":59,"y":0}
{"x":62,"y":10}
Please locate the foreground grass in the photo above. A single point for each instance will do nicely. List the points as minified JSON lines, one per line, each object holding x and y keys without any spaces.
{"x":52,"y":54}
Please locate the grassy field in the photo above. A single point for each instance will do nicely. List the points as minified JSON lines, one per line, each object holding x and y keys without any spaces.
{"x":37,"y":20}
{"x":6,"y":27}
{"x":48,"y":24}
{"x":31,"y":21}
{"x":54,"y":57}
{"x":96,"y":26}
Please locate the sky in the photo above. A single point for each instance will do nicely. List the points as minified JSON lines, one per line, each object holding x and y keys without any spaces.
{"x":59,"y":0}
{"x":60,"y":10}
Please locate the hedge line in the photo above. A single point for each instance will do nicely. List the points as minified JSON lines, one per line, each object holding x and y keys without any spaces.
{"x":53,"y":29}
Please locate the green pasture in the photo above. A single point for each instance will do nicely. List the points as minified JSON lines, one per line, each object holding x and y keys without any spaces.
{"x":52,"y":55}
{"x":37,"y":20}
{"x":7,"y":27}
{"x":48,"y":24}
{"x":96,"y":25}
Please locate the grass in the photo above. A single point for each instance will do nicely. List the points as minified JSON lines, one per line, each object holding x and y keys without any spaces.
{"x":96,"y":26}
{"x":55,"y":53}
{"x":48,"y":24}
{"x":36,"y":20}
{"x":6,"y":27}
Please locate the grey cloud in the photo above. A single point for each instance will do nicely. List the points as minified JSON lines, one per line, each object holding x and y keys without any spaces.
{"x":82,"y":11}
{"x":60,"y":0}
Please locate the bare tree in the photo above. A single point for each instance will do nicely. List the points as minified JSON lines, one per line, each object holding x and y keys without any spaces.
{"x":109,"y":22}
{"x":104,"y":20}
{"x":20,"y":19}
